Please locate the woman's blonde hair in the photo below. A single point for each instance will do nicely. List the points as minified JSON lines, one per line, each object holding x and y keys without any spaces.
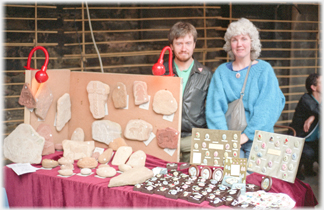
{"x":243,"y":27}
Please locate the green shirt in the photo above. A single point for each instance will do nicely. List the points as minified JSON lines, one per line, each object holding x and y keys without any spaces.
{"x":184,"y":74}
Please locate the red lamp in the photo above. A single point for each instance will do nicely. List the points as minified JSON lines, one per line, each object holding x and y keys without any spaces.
{"x":158,"y":68}
{"x":41,"y":75}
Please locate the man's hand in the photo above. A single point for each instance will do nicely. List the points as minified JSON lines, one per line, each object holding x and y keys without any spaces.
{"x":244,"y":138}
{"x":308,"y":123}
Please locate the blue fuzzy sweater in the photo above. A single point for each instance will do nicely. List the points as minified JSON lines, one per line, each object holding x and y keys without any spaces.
{"x":263,"y":100}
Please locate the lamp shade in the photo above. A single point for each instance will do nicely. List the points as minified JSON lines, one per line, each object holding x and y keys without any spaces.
{"x":158,"y":68}
{"x":41,"y":75}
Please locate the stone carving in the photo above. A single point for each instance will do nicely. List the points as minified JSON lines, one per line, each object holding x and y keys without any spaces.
{"x":105,"y":156}
{"x":65,"y":172}
{"x":78,"y":135}
{"x":131,"y":177}
{"x":119,"y":96}
{"x":24,"y":145}
{"x":124,"y":167}
{"x":167,"y":138}
{"x":116,"y":143}
{"x":67,"y":166}
{"x":48,"y":163}
{"x":97,"y":94}
{"x":63,"y":114}
{"x":140,"y":92}
{"x":138,"y":130}
{"x":106,"y":172}
{"x":65,"y":161}
{"x":87,"y":162}
{"x":103,"y":165}
{"x":138,"y":158}
{"x":77,"y":150}
{"x":44,"y":99}
{"x":164,"y":103}
{"x":27,"y":98}
{"x":46,"y":131}
{"x":86,"y":171}
{"x":122,"y":154}
{"x":105,"y":131}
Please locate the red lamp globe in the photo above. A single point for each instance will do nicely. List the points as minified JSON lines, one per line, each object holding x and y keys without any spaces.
{"x":158,"y":68}
{"x":41,"y":75}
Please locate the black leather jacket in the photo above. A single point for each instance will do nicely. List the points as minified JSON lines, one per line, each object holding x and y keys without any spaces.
{"x":194,"y":97}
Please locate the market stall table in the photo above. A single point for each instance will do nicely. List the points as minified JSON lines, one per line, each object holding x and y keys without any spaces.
{"x":44,"y":188}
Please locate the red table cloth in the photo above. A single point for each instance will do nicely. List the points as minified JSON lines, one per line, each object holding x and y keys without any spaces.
{"x":44,"y":188}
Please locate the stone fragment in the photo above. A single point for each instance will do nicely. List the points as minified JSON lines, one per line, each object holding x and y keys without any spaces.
{"x":63,"y":114}
{"x":138,"y":130}
{"x":67,"y":166}
{"x":86,"y":171}
{"x":140,"y":92}
{"x":103,"y":165}
{"x":116,"y":143}
{"x":106,"y":156}
{"x":27,"y":98}
{"x":44,"y":99}
{"x":167,"y":138}
{"x":78,"y":135}
{"x":58,"y":147}
{"x":124,"y":167}
{"x":65,"y":172}
{"x":48,"y":163}
{"x":119,"y":96}
{"x":65,"y":161}
{"x":105,"y":131}
{"x":106,"y":172}
{"x":77,"y":150}
{"x":131,"y":177}
{"x":95,"y":155}
{"x":87,"y":162}
{"x":122,"y":154}
{"x":164,"y":103}
{"x":97,"y":94}
{"x":46,"y":131}
{"x":138,"y":158}
{"x":24,"y":145}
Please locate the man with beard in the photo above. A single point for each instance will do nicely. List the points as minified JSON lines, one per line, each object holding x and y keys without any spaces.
{"x":195,"y":82}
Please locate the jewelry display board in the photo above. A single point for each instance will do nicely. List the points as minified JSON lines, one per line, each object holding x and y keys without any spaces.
{"x":276,"y":155}
{"x":211,"y":147}
{"x":236,"y":167}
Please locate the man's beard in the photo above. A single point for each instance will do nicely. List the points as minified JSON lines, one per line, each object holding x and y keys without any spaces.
{"x":184,"y":59}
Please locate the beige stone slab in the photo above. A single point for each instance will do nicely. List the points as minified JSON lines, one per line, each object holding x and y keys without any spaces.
{"x":138,"y":130}
{"x":105,"y":131}
{"x":97,"y":95}
{"x":116,"y":143}
{"x":138,"y":158}
{"x":77,"y":150}
{"x":121,"y":155}
{"x":140,"y":92}
{"x":63,"y":111}
{"x":106,"y":172}
{"x":119,"y":96}
{"x":78,"y":135}
{"x":87,"y":162}
{"x":48,"y":163}
{"x":106,"y":156}
{"x":27,"y":98}
{"x":44,"y":98}
{"x":46,"y":131}
{"x":164,"y":102}
{"x":131,"y":177}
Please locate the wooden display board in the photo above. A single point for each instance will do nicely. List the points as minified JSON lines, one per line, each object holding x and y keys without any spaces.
{"x":75,"y":83}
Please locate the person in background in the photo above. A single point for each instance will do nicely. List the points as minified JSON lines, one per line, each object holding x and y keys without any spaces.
{"x":306,"y":124}
{"x":263,"y":100}
{"x":195,"y":82}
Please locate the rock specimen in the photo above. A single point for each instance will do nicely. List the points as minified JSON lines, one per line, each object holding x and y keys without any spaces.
{"x":164,"y":103}
{"x":140,"y":92}
{"x":138,"y":158}
{"x":124,"y":167}
{"x":77,"y":150}
{"x":116,"y":143}
{"x":78,"y":135}
{"x":97,"y":94}
{"x":122,"y":154}
{"x":106,"y":172}
{"x":65,"y":172}
{"x":119,"y":96}
{"x":86,"y":171}
{"x":105,"y":131}
{"x":167,"y":138}
{"x":87,"y":162}
{"x":46,"y":131}
{"x":138,"y":130}
{"x":103,"y":165}
{"x":105,"y":156}
{"x":48,"y":163}
{"x":24,"y":145}
{"x":131,"y":177}
{"x":67,"y":166}
{"x":27,"y":98}
{"x":44,"y":99}
{"x":65,"y":161}
{"x":63,"y":114}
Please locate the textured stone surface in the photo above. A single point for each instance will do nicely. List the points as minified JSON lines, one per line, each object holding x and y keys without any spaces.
{"x":122,"y":154}
{"x":48,"y":163}
{"x":124,"y":167}
{"x":119,"y":96}
{"x":95,"y":155}
{"x":24,"y":145}
{"x":103,"y":165}
{"x":65,"y":160}
{"x":67,"y":166}
{"x":140,"y":92}
{"x":44,"y":99}
{"x":164,"y":103}
{"x":131,"y":177}
{"x":85,"y":171}
{"x":105,"y":131}
{"x":167,"y":138}
{"x":138,"y":158}
{"x":77,"y":150}
{"x":46,"y":131}
{"x":87,"y":162}
{"x":106,"y":156}
{"x":27,"y":98}
{"x":138,"y":130}
{"x":106,"y":172}
{"x":78,"y":135}
{"x":116,"y":143}
{"x":97,"y":93}
{"x":65,"y":172}
{"x":63,"y":114}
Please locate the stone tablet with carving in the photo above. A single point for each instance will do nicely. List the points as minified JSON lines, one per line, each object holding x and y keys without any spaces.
{"x":27,"y":98}
{"x":116,"y":143}
{"x":44,"y":99}
{"x":46,"y":131}
{"x":24,"y":145}
{"x":138,"y":130}
{"x":164,"y":103}
{"x":119,"y":96}
{"x":97,"y":94}
{"x":87,"y":162}
{"x":167,"y":138}
{"x":140,"y":92}
{"x":131,"y":177}
{"x":138,"y":158}
{"x":122,"y":154}
{"x":105,"y":131}
{"x":77,"y":150}
{"x":78,"y":135}
{"x":63,"y":114}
